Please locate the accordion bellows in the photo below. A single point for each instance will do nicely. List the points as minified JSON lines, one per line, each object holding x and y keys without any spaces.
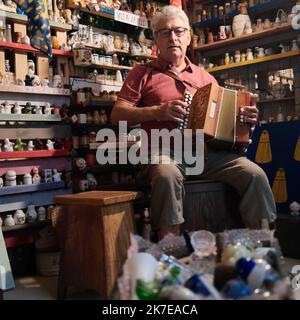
{"x":216,"y":110}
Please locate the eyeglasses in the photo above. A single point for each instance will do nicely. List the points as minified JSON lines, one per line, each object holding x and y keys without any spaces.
{"x":165,"y":33}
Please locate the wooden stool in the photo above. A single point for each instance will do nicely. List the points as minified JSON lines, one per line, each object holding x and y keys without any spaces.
{"x":94,"y":233}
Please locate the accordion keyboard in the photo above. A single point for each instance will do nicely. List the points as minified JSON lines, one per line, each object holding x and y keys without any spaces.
{"x":184,"y":122}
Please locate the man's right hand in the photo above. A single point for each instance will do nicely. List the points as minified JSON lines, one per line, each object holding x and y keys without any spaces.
{"x":171,"y":111}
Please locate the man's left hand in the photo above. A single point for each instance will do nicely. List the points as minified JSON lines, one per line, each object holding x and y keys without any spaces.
{"x":249,"y":114}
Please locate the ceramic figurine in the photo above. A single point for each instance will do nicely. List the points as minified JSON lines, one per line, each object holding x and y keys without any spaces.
{"x":249,"y":54}
{"x":19,"y":145}
{"x":18,"y":109}
{"x":222,"y":33}
{"x":19,"y":217}
{"x":125,"y":43}
{"x":8,"y":146}
{"x":28,"y":108}
{"x":27,"y":178}
{"x":36,"y":178}
{"x":10,"y":178}
{"x":41,"y":213}
{"x":241,"y":23}
{"x":56,"y":175}
{"x":31,"y":213}
{"x":57,"y":81}
{"x":260,"y":52}
{"x":25,"y":40}
{"x":92,"y":182}
{"x":96,"y":117}
{"x":56,"y":109}
{"x":1,"y":183}
{"x":8,"y":107}
{"x":227,"y":59}
{"x":9,"y":221}
{"x":48,"y":109}
{"x":294,"y":45}
{"x":237,"y":56}
{"x":110,"y":48}
{"x":28,"y":80}
{"x":38,"y":109}
{"x":295,"y":208}
{"x":50,"y":145}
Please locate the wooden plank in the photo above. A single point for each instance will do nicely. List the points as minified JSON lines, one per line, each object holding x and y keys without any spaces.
{"x":21,"y":65}
{"x":20,"y":27}
{"x":25,"y":166}
{"x":44,"y":132}
{"x":35,"y":90}
{"x":30,"y":117}
{"x":255,"y":61}
{"x":98,"y":198}
{"x":34,"y":154}
{"x":32,"y":188}
{"x":21,"y":201}
{"x":6,"y":278}
{"x":42,"y":63}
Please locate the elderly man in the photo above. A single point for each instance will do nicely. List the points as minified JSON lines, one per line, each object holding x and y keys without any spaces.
{"x":150,"y":97}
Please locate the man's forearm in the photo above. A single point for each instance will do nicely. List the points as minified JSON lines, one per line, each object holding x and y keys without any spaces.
{"x":133,"y":115}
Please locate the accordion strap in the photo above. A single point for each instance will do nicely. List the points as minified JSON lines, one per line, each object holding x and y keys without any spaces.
{"x":177,"y":77}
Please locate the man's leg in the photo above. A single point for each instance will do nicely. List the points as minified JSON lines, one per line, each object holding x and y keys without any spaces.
{"x":257,"y":201}
{"x":167,"y":193}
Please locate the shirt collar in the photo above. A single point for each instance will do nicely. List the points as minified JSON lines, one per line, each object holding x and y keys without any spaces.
{"x":164,"y":65}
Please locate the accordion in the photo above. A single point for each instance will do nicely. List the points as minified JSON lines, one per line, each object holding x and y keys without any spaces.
{"x":216,"y":110}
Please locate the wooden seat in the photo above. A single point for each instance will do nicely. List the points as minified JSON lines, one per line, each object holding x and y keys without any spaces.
{"x":94,"y":234}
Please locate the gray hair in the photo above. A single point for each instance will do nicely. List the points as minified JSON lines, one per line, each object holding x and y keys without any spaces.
{"x":169,"y":12}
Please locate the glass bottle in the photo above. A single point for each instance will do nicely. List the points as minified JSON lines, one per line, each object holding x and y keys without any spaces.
{"x":8,"y":35}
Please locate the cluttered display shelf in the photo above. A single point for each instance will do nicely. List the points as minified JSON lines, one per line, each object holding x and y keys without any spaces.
{"x":255,"y":61}
{"x":253,"y":10}
{"x":34,"y":90}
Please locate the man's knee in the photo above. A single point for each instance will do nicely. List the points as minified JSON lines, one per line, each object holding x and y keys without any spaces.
{"x":166,"y":174}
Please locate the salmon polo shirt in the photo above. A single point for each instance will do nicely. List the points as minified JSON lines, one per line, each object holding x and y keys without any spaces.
{"x":147,"y":85}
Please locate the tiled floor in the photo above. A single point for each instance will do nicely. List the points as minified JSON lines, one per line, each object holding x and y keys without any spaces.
{"x":44,"y":288}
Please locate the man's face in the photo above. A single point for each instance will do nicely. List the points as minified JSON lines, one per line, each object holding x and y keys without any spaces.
{"x":171,"y":45}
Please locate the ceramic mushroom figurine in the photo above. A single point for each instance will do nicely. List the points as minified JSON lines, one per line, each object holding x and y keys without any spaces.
{"x":38,"y":109}
{"x":18,"y":109}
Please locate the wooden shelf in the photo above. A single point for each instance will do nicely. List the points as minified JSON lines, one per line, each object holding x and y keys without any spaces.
{"x":20,"y":18}
{"x":255,"y":61}
{"x":253,"y":36}
{"x":276,"y":100}
{"x":32,"y":188}
{"x":34,"y":90}
{"x":26,"y":226}
{"x":28,"y":48}
{"x":30,"y":117}
{"x":34,"y":154}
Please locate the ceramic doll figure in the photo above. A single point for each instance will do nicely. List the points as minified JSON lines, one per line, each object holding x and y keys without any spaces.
{"x":48,"y":109}
{"x":28,"y":108}
{"x":8,"y":146}
{"x":92,"y":182}
{"x":8,"y":107}
{"x":30,"y":145}
{"x":31,"y":213}
{"x":241,"y":22}
{"x":260,"y":52}
{"x":222,"y":33}
{"x":19,"y":145}
{"x":50,"y":145}
{"x":36,"y":178}
{"x":249,"y":54}
{"x":38,"y":109}
{"x":1,"y":182}
{"x":19,"y":217}
{"x":125,"y":43}
{"x":80,"y":164}
{"x":56,"y":175}
{"x":294,"y":45}
{"x":17,"y":109}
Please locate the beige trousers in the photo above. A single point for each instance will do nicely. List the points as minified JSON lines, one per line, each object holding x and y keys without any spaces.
{"x":250,"y":181}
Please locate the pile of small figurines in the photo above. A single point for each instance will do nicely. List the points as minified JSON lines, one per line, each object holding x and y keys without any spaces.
{"x":240,"y":264}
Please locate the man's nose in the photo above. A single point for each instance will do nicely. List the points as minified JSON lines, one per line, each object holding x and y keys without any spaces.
{"x":173,"y":35}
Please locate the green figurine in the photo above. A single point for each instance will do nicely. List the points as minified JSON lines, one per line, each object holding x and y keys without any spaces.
{"x":28,"y":108}
{"x":20,"y":145}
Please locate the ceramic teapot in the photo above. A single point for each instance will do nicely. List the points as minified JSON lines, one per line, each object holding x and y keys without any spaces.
{"x":31,"y":213}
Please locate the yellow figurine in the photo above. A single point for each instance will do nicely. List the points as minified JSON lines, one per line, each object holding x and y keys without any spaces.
{"x":279,"y":186}
{"x":263,"y":152}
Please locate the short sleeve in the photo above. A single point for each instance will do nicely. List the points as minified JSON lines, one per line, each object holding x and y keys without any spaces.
{"x":132,"y":87}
